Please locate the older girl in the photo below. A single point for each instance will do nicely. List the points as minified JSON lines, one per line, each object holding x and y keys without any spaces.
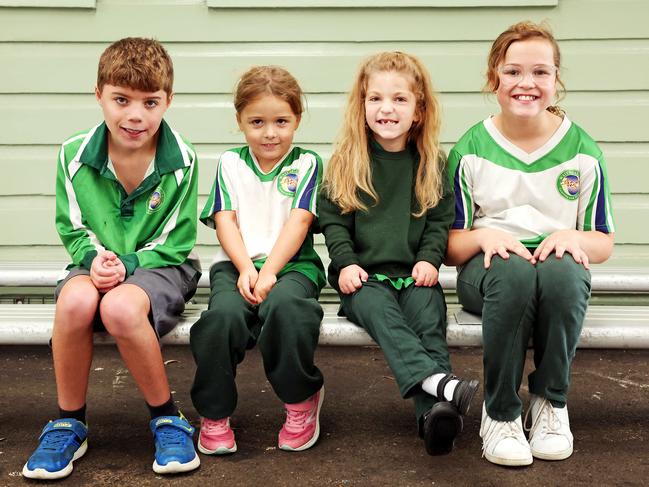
{"x":532,"y":213}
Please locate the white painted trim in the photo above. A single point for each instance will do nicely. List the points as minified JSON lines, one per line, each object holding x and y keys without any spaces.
{"x":378,"y":3}
{"x":49,"y":3}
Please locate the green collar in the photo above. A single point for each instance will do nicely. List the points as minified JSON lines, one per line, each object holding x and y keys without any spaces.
{"x":250,"y":160}
{"x":377,"y":150}
{"x":168,"y":156}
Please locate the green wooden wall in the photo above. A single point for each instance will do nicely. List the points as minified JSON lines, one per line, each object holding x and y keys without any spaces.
{"x":49,"y":52}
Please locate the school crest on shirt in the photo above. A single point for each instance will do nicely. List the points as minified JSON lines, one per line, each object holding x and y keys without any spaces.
{"x":155,"y":200}
{"x":287,"y":182}
{"x":568,"y":184}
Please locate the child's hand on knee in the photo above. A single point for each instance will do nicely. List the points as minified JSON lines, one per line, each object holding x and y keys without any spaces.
{"x":493,"y":241}
{"x":560,"y":242}
{"x":425,"y":274}
{"x":246,"y":284}
{"x":351,"y":278}
{"x":103,"y":272}
{"x":265,"y":283}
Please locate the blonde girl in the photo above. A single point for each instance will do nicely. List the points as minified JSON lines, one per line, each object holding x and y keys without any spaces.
{"x":532,"y":213}
{"x":266,"y":276}
{"x":385,"y":213}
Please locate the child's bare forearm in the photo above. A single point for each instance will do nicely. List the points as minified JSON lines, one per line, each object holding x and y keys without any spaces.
{"x":462,"y":245}
{"x":230,"y":238}
{"x":597,"y":245}
{"x":289,"y":241}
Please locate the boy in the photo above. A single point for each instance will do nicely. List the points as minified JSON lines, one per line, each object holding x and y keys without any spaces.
{"x":126,"y":213}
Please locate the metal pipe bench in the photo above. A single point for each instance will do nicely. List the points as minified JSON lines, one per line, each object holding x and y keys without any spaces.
{"x":604,"y":279}
{"x":605,"y":326}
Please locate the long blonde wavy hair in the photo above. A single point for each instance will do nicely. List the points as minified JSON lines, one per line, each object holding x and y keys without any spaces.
{"x":349,"y":173}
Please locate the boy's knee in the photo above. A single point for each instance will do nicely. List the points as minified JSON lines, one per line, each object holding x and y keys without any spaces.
{"x":121,"y":315}
{"x":77,"y":302}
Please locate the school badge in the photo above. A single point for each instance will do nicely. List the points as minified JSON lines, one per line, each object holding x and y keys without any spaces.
{"x":568,"y":184}
{"x":287,"y":182}
{"x":155,"y":200}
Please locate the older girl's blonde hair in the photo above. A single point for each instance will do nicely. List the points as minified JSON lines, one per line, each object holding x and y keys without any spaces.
{"x":349,"y":173}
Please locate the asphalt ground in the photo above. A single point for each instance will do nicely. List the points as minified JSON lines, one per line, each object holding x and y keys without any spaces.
{"x":368,"y":433}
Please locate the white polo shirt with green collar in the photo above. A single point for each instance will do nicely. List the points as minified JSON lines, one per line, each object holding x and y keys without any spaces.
{"x":153,"y":226}
{"x":263,"y":201}
{"x":561,"y":185}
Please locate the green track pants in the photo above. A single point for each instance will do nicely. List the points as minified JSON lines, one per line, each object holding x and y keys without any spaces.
{"x":410,"y":327}
{"x":518,"y":300}
{"x":286,"y":326}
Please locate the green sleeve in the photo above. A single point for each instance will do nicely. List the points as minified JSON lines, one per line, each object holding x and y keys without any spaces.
{"x":432,"y":245}
{"x":338,"y":230}
{"x":70,"y":225}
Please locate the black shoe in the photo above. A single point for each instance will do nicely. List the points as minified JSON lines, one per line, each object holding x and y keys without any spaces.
{"x":463,"y":394}
{"x":442,"y":424}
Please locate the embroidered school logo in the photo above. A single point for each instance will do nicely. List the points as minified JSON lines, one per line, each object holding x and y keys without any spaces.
{"x":568,"y":184}
{"x":287,"y":182}
{"x":155,"y":201}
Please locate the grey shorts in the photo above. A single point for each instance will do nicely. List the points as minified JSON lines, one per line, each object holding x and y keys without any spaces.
{"x":168,"y":289}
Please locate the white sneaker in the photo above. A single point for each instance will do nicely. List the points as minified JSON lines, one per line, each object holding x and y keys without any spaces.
{"x":550,"y":436}
{"x":503,"y":442}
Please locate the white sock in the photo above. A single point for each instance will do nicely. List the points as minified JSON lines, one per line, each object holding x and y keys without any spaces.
{"x":429,"y":384}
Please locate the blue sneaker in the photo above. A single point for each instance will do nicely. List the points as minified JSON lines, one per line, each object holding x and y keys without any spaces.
{"x":174,"y":445}
{"x":61,"y":443}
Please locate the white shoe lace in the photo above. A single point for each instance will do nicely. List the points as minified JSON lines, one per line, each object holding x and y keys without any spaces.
{"x":546,"y":422}
{"x":500,"y":430}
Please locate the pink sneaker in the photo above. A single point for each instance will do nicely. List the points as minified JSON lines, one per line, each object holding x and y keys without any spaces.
{"x":216,"y":437}
{"x":302,"y":427}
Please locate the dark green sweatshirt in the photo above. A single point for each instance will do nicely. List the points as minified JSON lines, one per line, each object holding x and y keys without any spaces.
{"x":387,"y":239}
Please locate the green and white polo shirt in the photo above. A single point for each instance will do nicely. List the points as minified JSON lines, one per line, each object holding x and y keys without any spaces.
{"x":562,"y":185}
{"x":263,"y":202}
{"x":154,"y":226}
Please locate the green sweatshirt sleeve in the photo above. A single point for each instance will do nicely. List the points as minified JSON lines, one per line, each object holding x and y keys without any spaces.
{"x":432,"y":245}
{"x":176,"y":236}
{"x":78,"y":240}
{"x":337,"y":230}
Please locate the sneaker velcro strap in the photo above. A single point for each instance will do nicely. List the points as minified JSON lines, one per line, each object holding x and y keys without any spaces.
{"x":66,"y":424}
{"x":173,"y":421}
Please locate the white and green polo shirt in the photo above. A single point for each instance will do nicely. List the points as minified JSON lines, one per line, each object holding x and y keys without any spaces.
{"x":562,"y":185}
{"x":154,"y":226}
{"x":263,"y":201}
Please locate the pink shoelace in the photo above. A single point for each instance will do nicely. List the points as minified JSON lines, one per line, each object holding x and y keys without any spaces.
{"x":296,"y":419}
{"x":218,"y":427}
